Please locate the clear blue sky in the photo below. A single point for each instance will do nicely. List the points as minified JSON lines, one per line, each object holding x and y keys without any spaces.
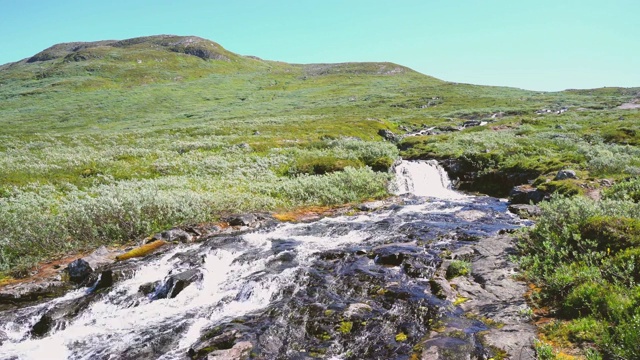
{"x":538,"y":45}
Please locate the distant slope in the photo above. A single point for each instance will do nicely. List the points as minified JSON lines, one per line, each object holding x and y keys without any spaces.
{"x":164,"y":80}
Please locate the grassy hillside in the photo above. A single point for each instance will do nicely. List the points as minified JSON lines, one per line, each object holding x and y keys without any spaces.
{"x":107,"y":142}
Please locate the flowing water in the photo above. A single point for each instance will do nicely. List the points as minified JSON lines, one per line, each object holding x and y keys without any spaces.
{"x":341,"y":287}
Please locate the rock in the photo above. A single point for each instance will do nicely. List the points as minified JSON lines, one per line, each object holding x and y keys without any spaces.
{"x":174,"y":284}
{"x":357,"y":309}
{"x":19,"y":294}
{"x":79,"y":271}
{"x":470,"y":215}
{"x":99,"y":258}
{"x":242,"y":220}
{"x":465,"y":253}
{"x":565,"y":174}
{"x":525,"y":194}
{"x":471,"y":123}
{"x":3,"y":337}
{"x":525,"y":211}
{"x":105,"y":281}
{"x":42,"y":327}
{"x":174,"y":235}
{"x":392,"y":255}
{"x":389,"y":135}
{"x":371,"y":205}
{"x":239,"y":351}
{"x":148,"y":288}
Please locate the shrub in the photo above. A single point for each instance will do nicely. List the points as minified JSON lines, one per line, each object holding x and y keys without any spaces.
{"x":457,"y":268}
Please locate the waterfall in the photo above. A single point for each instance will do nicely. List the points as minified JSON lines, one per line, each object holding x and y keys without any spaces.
{"x":424,"y":178}
{"x":343,"y":285}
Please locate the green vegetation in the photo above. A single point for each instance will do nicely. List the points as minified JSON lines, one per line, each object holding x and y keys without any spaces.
{"x":458,"y":268}
{"x":108,"y":142}
{"x":585,"y":255}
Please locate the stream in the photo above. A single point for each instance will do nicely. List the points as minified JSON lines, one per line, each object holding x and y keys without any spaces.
{"x":346,"y":287}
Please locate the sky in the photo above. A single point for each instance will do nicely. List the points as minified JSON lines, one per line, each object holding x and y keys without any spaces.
{"x":543,"y":45}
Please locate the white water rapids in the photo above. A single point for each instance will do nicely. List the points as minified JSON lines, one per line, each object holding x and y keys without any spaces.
{"x":238,"y":279}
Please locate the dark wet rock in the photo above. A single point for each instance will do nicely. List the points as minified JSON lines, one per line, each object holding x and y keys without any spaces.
{"x":174,"y":235}
{"x":371,"y":205}
{"x":243,"y":220}
{"x":3,"y":337}
{"x":189,"y":259}
{"x":526,"y":194}
{"x":525,"y":211}
{"x":79,"y":271}
{"x":174,"y":284}
{"x":393,"y":254}
{"x":42,"y":327}
{"x":149,"y":288}
{"x":105,"y":281}
{"x":389,"y":135}
{"x":565,"y":174}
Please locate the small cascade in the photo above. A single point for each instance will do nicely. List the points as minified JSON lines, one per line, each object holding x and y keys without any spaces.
{"x":424,"y":178}
{"x":342,"y":287}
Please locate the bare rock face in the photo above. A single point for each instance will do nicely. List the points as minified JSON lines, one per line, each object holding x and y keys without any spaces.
{"x":239,"y":351}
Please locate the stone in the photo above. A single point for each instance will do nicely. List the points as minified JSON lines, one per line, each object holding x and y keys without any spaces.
{"x":526,"y":194}
{"x":42,"y":327}
{"x":99,"y":258}
{"x":79,"y":271}
{"x":174,"y":284}
{"x":242,"y":220}
{"x":388,"y":135}
{"x":565,"y":174}
{"x":3,"y":337}
{"x":239,"y":351}
{"x":357,"y":309}
{"x":174,"y":235}
{"x":525,"y":211}
{"x":371,"y":205}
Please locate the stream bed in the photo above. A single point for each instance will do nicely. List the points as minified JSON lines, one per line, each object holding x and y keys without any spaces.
{"x":346,"y":287}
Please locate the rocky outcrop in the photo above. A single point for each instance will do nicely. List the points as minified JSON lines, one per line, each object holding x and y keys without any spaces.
{"x":174,"y":284}
{"x":526,"y":194}
{"x":492,"y":295}
{"x":389,"y":135}
{"x":565,"y":174}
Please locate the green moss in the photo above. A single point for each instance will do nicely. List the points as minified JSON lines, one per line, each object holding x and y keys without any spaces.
{"x":345,"y":327}
{"x":401,"y":337}
{"x":458,"y":268}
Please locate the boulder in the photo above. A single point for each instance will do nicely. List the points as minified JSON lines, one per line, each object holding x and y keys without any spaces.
{"x":565,"y":174}
{"x":239,"y":351}
{"x":42,"y":327}
{"x":174,"y":284}
{"x":389,"y":135}
{"x":99,"y":258}
{"x":525,"y":210}
{"x":242,"y":220}
{"x":174,"y":235}
{"x":525,"y":194}
{"x":79,"y":271}
{"x":371,"y":205}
